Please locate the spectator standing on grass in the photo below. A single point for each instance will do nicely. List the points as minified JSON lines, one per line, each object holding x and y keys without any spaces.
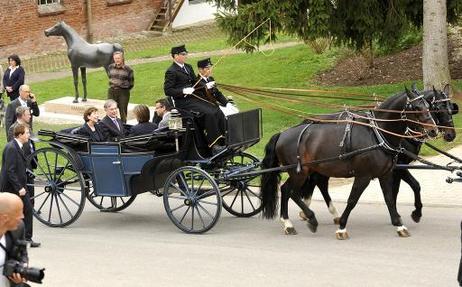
{"x":25,"y":99}
{"x":121,"y":81}
{"x":13,"y":77}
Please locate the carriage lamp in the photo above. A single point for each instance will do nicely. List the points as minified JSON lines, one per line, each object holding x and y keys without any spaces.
{"x":175,"y":122}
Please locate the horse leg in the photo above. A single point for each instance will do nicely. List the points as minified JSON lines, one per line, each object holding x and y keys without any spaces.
{"x":306,"y":192}
{"x":312,"y":222}
{"x":75,"y":75}
{"x":357,"y":190}
{"x":83,"y":71}
{"x":285,"y":195}
{"x":386,"y":183}
{"x":323,"y":185}
{"x":414,"y":184}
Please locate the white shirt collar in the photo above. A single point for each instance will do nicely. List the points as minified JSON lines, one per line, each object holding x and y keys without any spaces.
{"x":22,"y":102}
{"x":181,"y":65}
{"x":19,"y":143}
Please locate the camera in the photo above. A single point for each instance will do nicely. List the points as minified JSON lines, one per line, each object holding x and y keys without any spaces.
{"x":29,"y":273}
{"x":14,"y":266}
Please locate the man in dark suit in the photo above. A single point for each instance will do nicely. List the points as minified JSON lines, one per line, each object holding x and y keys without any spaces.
{"x":13,"y":175}
{"x":11,"y":230}
{"x":112,"y":127}
{"x":25,"y":99}
{"x":180,"y":85}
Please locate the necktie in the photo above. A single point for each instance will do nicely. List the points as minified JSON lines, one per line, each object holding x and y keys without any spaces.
{"x":116,"y":124}
{"x":185,"y":70}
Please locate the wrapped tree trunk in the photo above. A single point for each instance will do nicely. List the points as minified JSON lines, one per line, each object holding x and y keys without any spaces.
{"x":435,"y":62}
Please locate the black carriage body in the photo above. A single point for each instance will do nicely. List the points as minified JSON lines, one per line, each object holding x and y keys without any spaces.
{"x":149,"y":163}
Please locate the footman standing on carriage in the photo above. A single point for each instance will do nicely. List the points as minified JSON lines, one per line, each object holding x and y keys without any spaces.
{"x":121,"y":81}
{"x":180,"y":86}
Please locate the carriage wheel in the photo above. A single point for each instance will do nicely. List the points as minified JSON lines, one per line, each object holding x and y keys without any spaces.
{"x":242,"y":197}
{"x":58,"y":188}
{"x":192,"y":199}
{"x":109,"y":203}
{"x":106,"y":203}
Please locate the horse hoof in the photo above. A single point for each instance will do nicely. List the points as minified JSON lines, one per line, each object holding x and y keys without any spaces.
{"x":337,"y":221}
{"x":403,"y":232}
{"x":75,"y":101}
{"x":302,"y":216}
{"x":415,"y":217}
{"x":342,"y":235}
{"x":84,"y":99}
{"x":290,"y":231}
{"x":312,"y":227}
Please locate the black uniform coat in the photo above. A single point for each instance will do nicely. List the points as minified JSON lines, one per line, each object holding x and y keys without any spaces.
{"x":10,"y":114}
{"x":15,"y":81}
{"x":96,"y":136}
{"x":13,"y":174}
{"x":110,"y":130}
{"x":201,"y":90}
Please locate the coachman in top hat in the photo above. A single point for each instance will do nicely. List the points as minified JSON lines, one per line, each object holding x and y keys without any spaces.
{"x":180,"y":86}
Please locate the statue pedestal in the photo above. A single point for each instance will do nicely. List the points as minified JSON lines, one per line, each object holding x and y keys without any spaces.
{"x":65,"y":106}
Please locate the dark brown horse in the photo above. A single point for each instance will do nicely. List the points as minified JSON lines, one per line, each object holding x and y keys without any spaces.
{"x":318,"y":147}
{"x":442,"y":110}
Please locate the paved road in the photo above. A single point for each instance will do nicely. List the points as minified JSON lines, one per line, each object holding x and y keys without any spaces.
{"x":141,"y":247}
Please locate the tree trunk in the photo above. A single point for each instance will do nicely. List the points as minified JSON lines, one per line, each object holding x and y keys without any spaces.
{"x":435,"y":62}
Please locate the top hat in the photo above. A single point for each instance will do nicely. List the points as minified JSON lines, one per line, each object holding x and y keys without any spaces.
{"x":178,"y":50}
{"x":205,"y":63}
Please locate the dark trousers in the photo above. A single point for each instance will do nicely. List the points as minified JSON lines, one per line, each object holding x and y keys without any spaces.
{"x":459,"y":276}
{"x":210,"y":119}
{"x":28,"y":215}
{"x":122,"y":97}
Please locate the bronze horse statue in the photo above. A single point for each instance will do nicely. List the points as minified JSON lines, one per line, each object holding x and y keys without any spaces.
{"x":83,"y":55}
{"x":370,"y":153}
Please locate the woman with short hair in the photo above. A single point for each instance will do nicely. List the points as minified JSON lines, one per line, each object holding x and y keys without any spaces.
{"x":13,"y":77}
{"x":143,"y":127}
{"x":91,"y":128}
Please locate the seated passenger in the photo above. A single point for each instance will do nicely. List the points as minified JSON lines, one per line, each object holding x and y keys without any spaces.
{"x":162,"y":111}
{"x":91,"y":128}
{"x":112,"y":127}
{"x":144,"y":126}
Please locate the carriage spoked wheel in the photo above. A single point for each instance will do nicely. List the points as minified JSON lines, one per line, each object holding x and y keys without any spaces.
{"x":58,"y":196}
{"x":108,"y":203}
{"x":192,"y":199}
{"x":241,"y":197}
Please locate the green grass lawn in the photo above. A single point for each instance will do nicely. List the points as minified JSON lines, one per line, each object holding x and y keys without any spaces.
{"x":292,"y":67}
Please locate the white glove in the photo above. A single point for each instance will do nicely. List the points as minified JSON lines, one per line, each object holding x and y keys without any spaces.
{"x":188,"y":91}
{"x":210,"y":85}
{"x":229,"y":109}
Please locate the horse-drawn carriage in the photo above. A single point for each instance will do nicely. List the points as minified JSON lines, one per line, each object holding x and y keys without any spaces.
{"x":194,"y":183}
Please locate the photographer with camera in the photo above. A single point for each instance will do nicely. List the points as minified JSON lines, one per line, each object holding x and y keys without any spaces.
{"x":26,"y":99}
{"x":11,"y":230}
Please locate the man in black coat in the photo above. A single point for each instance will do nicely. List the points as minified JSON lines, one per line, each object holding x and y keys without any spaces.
{"x":13,"y":177}
{"x":11,"y":231}
{"x":25,"y":99}
{"x":180,"y":85}
{"x":112,"y":127}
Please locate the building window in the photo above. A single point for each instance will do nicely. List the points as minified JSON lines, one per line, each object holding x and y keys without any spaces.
{"x":48,"y":2}
{"x":50,"y":7}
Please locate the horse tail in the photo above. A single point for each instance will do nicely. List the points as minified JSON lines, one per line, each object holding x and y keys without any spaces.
{"x":270,"y":180}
